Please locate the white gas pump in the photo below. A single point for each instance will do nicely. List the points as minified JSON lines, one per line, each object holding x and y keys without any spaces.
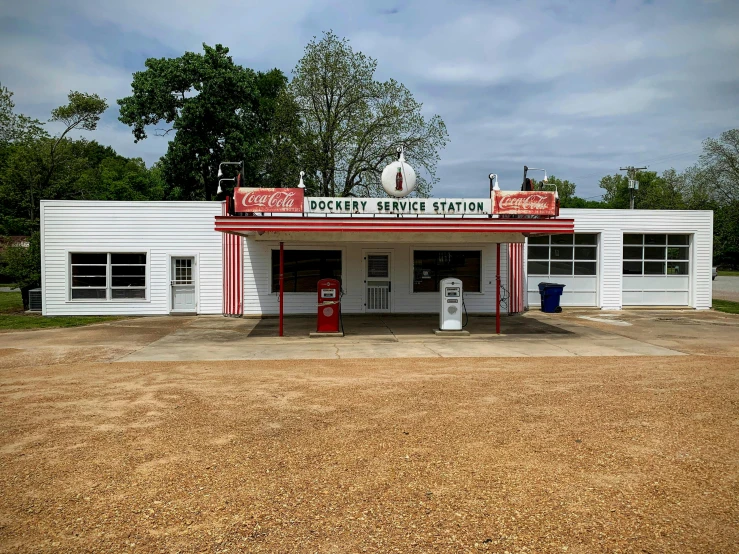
{"x":450,"y":316}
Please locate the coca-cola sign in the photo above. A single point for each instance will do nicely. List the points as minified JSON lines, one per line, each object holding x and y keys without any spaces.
{"x":524,"y":203}
{"x":268,"y":200}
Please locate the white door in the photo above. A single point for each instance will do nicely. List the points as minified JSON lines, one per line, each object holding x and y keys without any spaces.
{"x":378,"y":287}
{"x":183,"y":285}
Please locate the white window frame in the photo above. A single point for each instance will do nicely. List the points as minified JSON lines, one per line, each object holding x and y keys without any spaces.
{"x":431,"y":247}
{"x":666,"y":261}
{"x":108,"y":275}
{"x":574,"y":259}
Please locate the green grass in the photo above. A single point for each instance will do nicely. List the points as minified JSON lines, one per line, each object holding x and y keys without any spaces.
{"x":726,"y":306}
{"x":10,"y":302}
{"x":13,"y":317}
{"x":728,"y":273}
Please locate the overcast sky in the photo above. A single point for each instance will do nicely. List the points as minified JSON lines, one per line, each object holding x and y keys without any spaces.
{"x":576,"y":87}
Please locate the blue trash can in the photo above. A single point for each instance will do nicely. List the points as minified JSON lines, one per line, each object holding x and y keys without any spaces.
{"x":550,"y":296}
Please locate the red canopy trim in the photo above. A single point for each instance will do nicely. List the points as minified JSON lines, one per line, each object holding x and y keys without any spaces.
{"x":240,"y":224}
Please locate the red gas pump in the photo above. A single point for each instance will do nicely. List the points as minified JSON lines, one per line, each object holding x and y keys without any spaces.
{"x":329,"y":306}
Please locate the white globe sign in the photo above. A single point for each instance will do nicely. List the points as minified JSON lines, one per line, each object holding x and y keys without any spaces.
{"x":399,"y":178}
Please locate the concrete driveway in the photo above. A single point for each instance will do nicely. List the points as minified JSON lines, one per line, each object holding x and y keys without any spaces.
{"x":534,"y":334}
{"x":726,"y":288}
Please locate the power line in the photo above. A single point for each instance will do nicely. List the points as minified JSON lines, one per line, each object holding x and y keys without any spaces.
{"x":633,"y":183}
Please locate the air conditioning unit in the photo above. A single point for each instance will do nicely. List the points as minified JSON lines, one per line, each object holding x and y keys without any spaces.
{"x":34,"y":300}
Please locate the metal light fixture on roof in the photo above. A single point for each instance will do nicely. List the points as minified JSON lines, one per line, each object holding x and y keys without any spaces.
{"x":301,"y":184}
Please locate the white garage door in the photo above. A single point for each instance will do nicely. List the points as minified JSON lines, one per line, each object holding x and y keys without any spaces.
{"x":571,"y":260}
{"x":656,"y":270}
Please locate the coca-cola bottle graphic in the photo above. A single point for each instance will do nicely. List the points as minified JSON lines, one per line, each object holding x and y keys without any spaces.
{"x":399,"y":180}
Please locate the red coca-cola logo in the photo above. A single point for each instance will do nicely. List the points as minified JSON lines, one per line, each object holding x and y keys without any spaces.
{"x":269,"y":200}
{"x":525,"y":203}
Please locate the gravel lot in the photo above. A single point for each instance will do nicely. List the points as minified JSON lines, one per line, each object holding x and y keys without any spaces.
{"x":426,"y":455}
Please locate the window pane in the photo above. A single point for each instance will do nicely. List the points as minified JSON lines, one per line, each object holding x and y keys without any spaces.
{"x":378,"y":265}
{"x":561,"y":268}
{"x":128,"y":270}
{"x":654,"y":268}
{"x":431,"y":266}
{"x":97,"y":294}
{"x":654,"y":253}
{"x":585,"y":252}
{"x":89,"y":270}
{"x":561,"y":252}
{"x":128,"y":293}
{"x":632,"y":252}
{"x":633,"y":239}
{"x":655,"y":239}
{"x":129,"y":281}
{"x":584,"y":268}
{"x":678,"y":253}
{"x":678,"y":239}
{"x":304,"y":268}
{"x":89,"y":258}
{"x":78,"y":281}
{"x":586,"y":238}
{"x":539,"y":240}
{"x":561,"y":239}
{"x":538,"y":268}
{"x":632,"y":268}
{"x":538,"y":252}
{"x":678,"y":268}
{"x":128,"y":258}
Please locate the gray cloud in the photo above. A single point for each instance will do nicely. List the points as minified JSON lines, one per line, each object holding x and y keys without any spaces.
{"x":578,"y":87}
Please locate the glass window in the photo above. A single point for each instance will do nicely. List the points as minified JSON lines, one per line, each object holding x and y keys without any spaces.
{"x":107,"y":276}
{"x":678,"y":239}
{"x":654,"y":268}
{"x":585,"y":268}
{"x":654,"y":249}
{"x":678,"y":253}
{"x":655,"y":239}
{"x":632,"y":268}
{"x":304,"y":268}
{"x":586,"y":238}
{"x":538,"y":252}
{"x":561,"y":239}
{"x":654,"y":253}
{"x":538,"y":268}
{"x":539,"y":240}
{"x":561,"y":252}
{"x":585,"y":253}
{"x":431,"y":266}
{"x":561,"y":268}
{"x":677,"y":268}
{"x":557,"y":258}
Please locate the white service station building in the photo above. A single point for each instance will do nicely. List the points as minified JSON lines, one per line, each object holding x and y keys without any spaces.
{"x":157,"y":258}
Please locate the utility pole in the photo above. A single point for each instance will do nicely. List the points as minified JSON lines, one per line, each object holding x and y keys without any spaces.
{"x":633,"y":183}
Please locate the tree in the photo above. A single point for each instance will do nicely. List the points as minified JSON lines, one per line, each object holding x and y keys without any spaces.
{"x":655,"y":192}
{"x":720,"y":164}
{"x":218,"y":111}
{"x":354,"y":124}
{"x":16,"y":127}
{"x":23,"y":266}
{"x":565,"y":190}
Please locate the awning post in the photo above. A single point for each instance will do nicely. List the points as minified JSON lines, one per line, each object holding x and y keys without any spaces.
{"x":497,"y":288}
{"x":282,"y":283}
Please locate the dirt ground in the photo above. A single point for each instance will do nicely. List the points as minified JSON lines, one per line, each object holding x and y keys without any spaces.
{"x":423,"y":455}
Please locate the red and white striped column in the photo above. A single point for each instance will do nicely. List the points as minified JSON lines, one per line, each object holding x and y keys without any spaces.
{"x":233,"y":271}
{"x":515,"y":278}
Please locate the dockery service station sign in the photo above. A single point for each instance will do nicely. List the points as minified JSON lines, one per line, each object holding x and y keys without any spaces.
{"x":292,"y":200}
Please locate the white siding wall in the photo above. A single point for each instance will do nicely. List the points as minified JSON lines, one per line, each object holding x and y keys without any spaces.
{"x":612,"y":224}
{"x":258,"y":298}
{"x":161,"y":229}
